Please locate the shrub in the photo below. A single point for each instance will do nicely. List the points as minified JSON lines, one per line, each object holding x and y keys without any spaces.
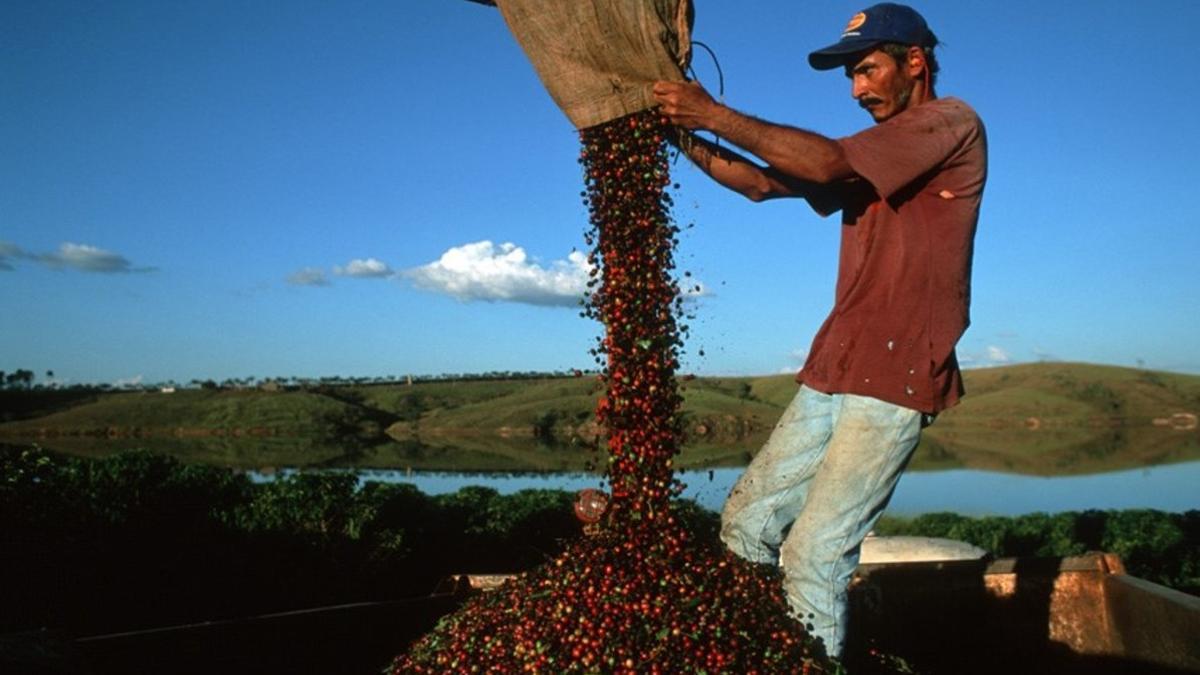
{"x":1154,"y":545}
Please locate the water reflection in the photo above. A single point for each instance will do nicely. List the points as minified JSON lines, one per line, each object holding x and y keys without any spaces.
{"x":971,"y":469}
{"x":965,"y":491}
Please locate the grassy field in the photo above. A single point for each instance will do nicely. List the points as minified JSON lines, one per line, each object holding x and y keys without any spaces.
{"x":1045,"y":419}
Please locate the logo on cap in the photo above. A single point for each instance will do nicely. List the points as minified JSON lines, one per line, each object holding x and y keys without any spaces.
{"x":856,"y":22}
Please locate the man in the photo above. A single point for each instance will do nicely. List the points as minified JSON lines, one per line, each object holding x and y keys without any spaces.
{"x":883,"y":363}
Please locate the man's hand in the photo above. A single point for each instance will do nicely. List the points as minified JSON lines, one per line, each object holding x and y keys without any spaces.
{"x":686,"y":104}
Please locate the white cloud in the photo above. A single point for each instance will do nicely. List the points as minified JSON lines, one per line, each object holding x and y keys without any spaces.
{"x":990,"y":356}
{"x":504,"y":273}
{"x":8,"y":251}
{"x":1044,"y":355}
{"x":998,"y":355}
{"x":309,"y":276}
{"x":364,"y":269}
{"x":129,"y":382}
{"x":796,"y":359}
{"x":82,"y":257}
{"x":86,"y":258}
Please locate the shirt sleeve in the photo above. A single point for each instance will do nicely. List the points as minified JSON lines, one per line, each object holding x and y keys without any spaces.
{"x":825,"y":199}
{"x":894,"y":153}
{"x":829,"y":199}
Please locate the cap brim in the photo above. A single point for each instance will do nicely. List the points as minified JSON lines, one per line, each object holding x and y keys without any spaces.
{"x":836,"y":55}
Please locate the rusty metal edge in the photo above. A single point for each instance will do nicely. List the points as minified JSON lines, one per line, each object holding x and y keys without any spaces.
{"x":1153,"y":623}
{"x":1104,"y":563}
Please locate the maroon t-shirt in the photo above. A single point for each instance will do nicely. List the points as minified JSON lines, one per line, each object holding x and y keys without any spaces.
{"x":904,"y":275}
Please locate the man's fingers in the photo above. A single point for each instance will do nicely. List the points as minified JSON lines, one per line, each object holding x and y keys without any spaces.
{"x":674,"y":99}
{"x":665,"y":92}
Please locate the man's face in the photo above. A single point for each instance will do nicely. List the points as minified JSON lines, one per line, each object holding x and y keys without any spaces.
{"x":881,"y":86}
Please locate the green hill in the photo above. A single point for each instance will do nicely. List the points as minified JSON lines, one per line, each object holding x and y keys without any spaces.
{"x":197,"y":411}
{"x":1045,"y":418}
{"x":1058,"y":418}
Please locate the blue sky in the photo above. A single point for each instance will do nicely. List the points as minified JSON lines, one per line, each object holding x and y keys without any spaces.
{"x":228,"y":189}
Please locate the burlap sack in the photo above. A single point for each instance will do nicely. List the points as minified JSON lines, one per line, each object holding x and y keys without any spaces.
{"x":599,"y":58}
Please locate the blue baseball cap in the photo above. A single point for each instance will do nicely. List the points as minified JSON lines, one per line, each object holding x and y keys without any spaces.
{"x":875,"y":25}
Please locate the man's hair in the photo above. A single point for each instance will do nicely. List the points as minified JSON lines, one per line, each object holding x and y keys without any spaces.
{"x":899,"y":52}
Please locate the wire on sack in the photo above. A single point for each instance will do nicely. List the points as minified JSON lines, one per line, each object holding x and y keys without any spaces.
{"x":685,"y":139}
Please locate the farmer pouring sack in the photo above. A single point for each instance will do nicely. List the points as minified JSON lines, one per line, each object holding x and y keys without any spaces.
{"x":599,"y":58}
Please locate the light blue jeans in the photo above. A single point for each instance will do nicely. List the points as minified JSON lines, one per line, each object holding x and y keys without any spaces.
{"x":814,"y":491}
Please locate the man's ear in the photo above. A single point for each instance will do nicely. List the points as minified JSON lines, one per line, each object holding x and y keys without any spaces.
{"x":915,"y":61}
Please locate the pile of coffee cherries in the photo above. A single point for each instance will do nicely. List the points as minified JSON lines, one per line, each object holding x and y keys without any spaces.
{"x":613,"y":604}
{"x":646,"y":594}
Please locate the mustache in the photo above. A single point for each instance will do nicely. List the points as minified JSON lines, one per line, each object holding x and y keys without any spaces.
{"x":868,"y":101}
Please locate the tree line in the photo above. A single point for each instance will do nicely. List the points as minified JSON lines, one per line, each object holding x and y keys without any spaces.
{"x":24,"y":379}
{"x":20,"y":378}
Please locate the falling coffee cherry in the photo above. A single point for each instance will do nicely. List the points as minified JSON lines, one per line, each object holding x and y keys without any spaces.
{"x":590,"y":505}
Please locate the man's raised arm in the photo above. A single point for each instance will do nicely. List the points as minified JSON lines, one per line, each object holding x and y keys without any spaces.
{"x":795,"y":153}
{"x":738,"y":173}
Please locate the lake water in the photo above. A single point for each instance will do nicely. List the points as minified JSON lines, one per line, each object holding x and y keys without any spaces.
{"x":1171,"y":487}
